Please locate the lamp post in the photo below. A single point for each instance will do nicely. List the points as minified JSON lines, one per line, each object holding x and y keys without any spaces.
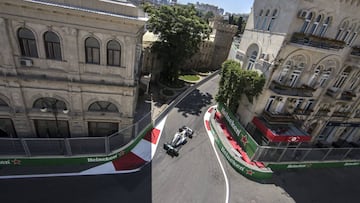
{"x":53,"y":105}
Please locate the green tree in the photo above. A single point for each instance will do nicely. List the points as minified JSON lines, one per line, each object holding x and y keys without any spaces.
{"x":180,"y":31}
{"x":235,"y":82}
{"x":208,"y":15}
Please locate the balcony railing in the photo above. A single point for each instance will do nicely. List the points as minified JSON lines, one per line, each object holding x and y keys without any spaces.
{"x":322,"y":112}
{"x":303,"y":111}
{"x":340,"y":114}
{"x":278,"y":117}
{"x":347,"y":96}
{"x":316,"y":41}
{"x":303,"y":91}
{"x":355,"y":51}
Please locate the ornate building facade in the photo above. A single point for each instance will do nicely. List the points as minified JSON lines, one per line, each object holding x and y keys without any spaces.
{"x":309,"y":52}
{"x":68,"y":68}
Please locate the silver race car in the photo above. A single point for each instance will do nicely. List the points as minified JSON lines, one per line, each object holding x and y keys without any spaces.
{"x":172,"y":148}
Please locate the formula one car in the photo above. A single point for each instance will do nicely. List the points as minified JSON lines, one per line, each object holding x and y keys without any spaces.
{"x":172,"y":148}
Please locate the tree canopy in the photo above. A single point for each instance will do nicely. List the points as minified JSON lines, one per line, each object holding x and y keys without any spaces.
{"x":235,"y":82}
{"x":180,"y":31}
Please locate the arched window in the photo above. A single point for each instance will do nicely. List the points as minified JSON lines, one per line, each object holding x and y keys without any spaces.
{"x":341,"y":80}
{"x":3,"y":103}
{"x":257,"y":25}
{"x":306,"y":22}
{"x":92,"y":50}
{"x":343,"y":26}
{"x":27,"y":43}
{"x":52,"y":46}
{"x":113,"y":53}
{"x":50,"y":104}
{"x":103,"y":106}
{"x":353,"y":35}
{"x":294,"y":77}
{"x":314,"y":77}
{"x":354,"y":82}
{"x":263,"y":26}
{"x":324,"y":77}
{"x":324,"y":26}
{"x":315,"y":25}
{"x":252,"y":60}
{"x":272,"y":20}
{"x":285,"y":71}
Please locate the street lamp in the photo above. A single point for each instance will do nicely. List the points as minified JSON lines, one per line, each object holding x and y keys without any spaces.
{"x":53,"y":104}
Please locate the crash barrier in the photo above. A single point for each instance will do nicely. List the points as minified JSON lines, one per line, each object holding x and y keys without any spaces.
{"x":78,"y":146}
{"x":296,"y":154}
{"x":245,"y":167}
{"x":29,"y":147}
{"x":178,"y":99}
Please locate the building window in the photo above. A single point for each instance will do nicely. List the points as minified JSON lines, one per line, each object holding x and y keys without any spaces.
{"x":272,"y":20}
{"x":354,"y":82}
{"x":313,"y":79}
{"x":113,"y":53}
{"x":27,"y":43}
{"x":298,"y":103}
{"x":7,"y":129}
{"x":324,"y":26}
{"x":306,"y":22}
{"x":296,"y":74}
{"x":263,"y":26}
{"x":52,"y":46}
{"x":343,"y":27}
{"x":102,"y":129}
{"x":324,"y":77}
{"x":341,"y":80}
{"x":315,"y":25}
{"x":309,"y":105}
{"x":103,"y":106}
{"x":252,"y":60}
{"x":92,"y":50}
{"x":257,"y":25}
{"x":285,"y":71}
{"x":269,"y":103}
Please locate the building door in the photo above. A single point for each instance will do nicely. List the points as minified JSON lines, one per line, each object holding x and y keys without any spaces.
{"x":52,"y":129}
{"x":102,"y":129}
{"x":7,"y":128}
{"x":280,"y":106}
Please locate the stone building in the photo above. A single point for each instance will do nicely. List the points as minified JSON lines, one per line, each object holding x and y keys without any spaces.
{"x":309,"y":52}
{"x":212,"y":52}
{"x":68,"y":68}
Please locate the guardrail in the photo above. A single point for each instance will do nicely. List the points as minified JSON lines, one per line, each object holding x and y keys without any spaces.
{"x":80,"y":146}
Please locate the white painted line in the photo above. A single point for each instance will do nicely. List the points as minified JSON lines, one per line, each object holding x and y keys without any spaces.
{"x":143,"y":150}
{"x":103,"y":168}
{"x":212,"y":140}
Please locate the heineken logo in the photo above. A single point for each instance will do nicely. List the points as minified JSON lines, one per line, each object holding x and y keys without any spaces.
{"x":294,"y":139}
{"x":16,"y":162}
{"x":244,"y":140}
{"x":249,"y":172}
{"x":10,"y":162}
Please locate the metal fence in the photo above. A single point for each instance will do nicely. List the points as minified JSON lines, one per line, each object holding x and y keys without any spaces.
{"x":89,"y":145}
{"x":73,"y":146}
{"x":283,"y":154}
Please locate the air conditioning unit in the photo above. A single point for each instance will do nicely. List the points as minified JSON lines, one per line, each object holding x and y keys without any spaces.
{"x":26,"y":62}
{"x":302,"y":14}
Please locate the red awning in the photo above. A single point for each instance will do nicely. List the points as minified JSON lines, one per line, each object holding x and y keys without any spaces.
{"x":277,"y":137}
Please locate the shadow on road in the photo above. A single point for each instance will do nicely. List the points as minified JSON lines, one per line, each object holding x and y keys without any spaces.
{"x":194,"y":102}
{"x":320,"y":185}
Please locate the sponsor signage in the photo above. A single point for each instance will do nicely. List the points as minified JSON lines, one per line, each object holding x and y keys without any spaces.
{"x":275,"y":166}
{"x":242,"y":137}
{"x":241,"y":167}
{"x":343,"y":124}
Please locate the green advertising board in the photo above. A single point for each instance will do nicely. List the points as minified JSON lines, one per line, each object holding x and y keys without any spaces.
{"x":241,"y":166}
{"x":17,"y":161}
{"x":242,"y":137}
{"x":323,"y":164}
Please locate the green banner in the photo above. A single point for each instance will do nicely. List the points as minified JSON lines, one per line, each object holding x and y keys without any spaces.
{"x":17,"y":161}
{"x":242,"y":137}
{"x":241,"y":166}
{"x":323,"y":164}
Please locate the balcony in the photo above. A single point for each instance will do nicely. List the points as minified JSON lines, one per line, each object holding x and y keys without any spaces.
{"x":340,"y":114}
{"x":322,"y":112}
{"x":347,"y":96}
{"x":331,"y":92}
{"x":317,"y":42}
{"x":303,"y":111}
{"x":355,"y":51}
{"x":272,"y":117}
{"x":303,"y":91}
